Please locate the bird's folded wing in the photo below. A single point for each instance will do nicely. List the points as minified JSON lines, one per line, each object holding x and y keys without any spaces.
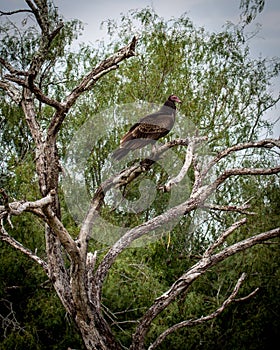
{"x":145,"y":131}
{"x":149,"y":130}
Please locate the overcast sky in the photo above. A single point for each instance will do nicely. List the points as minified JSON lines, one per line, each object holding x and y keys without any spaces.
{"x":210,"y":14}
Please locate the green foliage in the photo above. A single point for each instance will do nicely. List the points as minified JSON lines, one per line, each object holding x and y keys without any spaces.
{"x":31,"y":313}
{"x":21,"y":43}
{"x":224,"y":90}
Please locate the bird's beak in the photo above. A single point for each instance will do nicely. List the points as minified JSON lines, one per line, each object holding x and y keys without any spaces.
{"x":178,"y":100}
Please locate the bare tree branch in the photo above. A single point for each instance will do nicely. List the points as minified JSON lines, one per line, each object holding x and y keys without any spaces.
{"x":244,"y":171}
{"x":17,"y":208}
{"x":203,"y":319}
{"x":86,"y":84}
{"x":221,"y":239}
{"x":117,"y":180}
{"x":39,"y":10}
{"x":42,"y":208}
{"x":60,"y":231}
{"x":9,"y":13}
{"x":247,"y":296}
{"x":242,"y":209}
{"x":44,"y":98}
{"x":188,"y":160}
{"x":90,"y":263}
{"x":123,"y":178}
{"x":8,"y":319}
{"x":5,"y":237}
{"x":189,"y":277}
{"x":111,"y":63}
{"x":267,"y":143}
{"x":196,"y":200}
{"x":101,"y":69}
{"x":30,"y":115}
{"x":11,"y":69}
{"x":197,"y":175}
{"x":17,"y":80}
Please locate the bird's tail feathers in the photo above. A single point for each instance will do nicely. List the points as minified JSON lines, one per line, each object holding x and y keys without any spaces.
{"x":131,"y":145}
{"x":120,"y":153}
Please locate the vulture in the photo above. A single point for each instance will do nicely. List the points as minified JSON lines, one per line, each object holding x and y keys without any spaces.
{"x":148,"y":129}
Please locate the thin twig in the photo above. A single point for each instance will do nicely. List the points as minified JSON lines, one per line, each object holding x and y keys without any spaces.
{"x":9,"y":13}
{"x":223,"y":237}
{"x":242,"y":209}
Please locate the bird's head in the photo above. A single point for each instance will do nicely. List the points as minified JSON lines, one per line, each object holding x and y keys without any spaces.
{"x":174,"y":98}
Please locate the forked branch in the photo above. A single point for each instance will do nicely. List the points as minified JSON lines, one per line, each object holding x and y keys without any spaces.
{"x":87,"y":82}
{"x":189,"y":277}
{"x":202,"y":319}
{"x":197,"y":199}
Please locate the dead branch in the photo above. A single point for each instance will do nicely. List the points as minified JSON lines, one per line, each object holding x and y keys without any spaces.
{"x":9,"y":321}
{"x":244,"y":171}
{"x":221,"y":239}
{"x":184,"y":169}
{"x":40,"y":12}
{"x":189,"y":277}
{"x":247,"y":296}
{"x":203,"y":319}
{"x":16,"y":80}
{"x":197,"y":175}
{"x":61,"y":232}
{"x":196,"y":200}
{"x":104,"y":67}
{"x":17,"y":208}
{"x":188,"y":161}
{"x":242,"y":209}
{"x":110,"y":63}
{"x":41,"y":208}
{"x":30,"y":115}
{"x":121,"y":179}
{"x":5,"y":237}
{"x":9,"y":13}
{"x":267,"y":143}
{"x":11,"y":69}
{"x":42,"y":97}
{"x":90,"y":264}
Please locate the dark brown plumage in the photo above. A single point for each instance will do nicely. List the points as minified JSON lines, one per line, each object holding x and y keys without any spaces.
{"x":149,"y":129}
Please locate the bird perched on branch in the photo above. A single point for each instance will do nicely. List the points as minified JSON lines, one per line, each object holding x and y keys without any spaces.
{"x":149,"y":129}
